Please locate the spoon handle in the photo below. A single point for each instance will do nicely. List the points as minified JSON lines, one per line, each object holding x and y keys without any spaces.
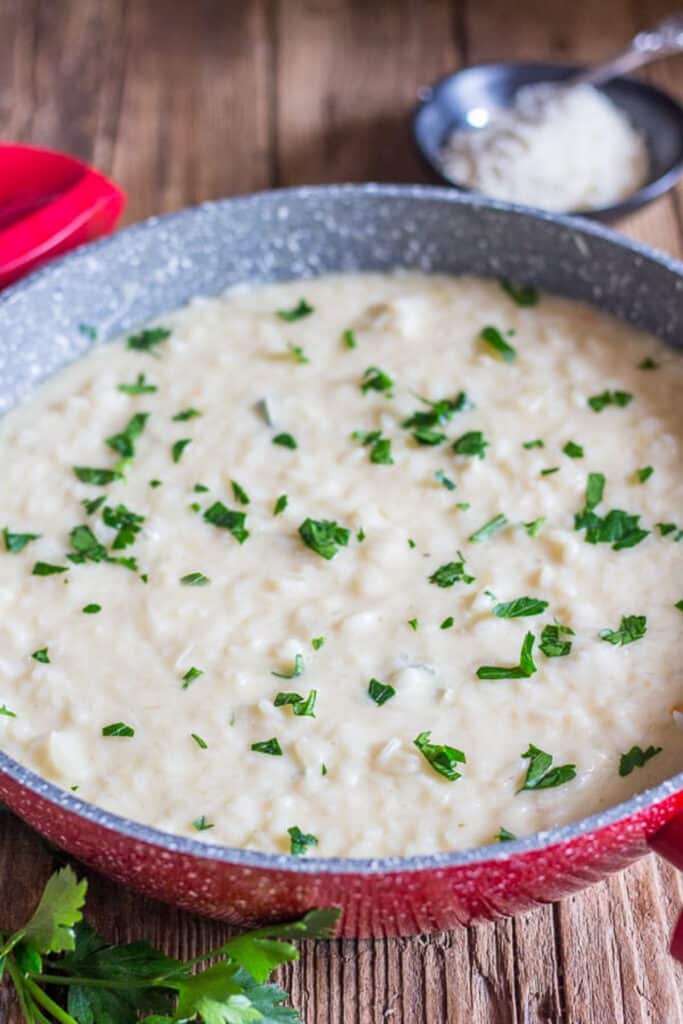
{"x":664,"y":39}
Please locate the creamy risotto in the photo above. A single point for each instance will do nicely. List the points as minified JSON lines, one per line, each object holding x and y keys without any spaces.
{"x":362,"y":565}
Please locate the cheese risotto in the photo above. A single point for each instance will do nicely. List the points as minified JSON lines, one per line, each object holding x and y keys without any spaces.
{"x":363,"y":565}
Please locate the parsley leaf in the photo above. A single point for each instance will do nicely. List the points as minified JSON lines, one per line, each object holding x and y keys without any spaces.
{"x":537,"y":443}
{"x":42,"y":656}
{"x":201,"y":743}
{"x":300,"y":842}
{"x":488,"y":529}
{"x":438,"y":413}
{"x":441,"y":757}
{"x":179,"y":447}
{"x":552,"y":644}
{"x":495,"y":340}
{"x":91,"y":505}
{"x":450,"y":573}
{"x":51,"y":927}
{"x":239,"y":493}
{"x":380,"y":692}
{"x":45,"y":569}
{"x":601,"y":401}
{"x":148,"y":339}
{"x":317,"y":642}
{"x":126,"y":523}
{"x":375,"y":379}
{"x":227,"y":519}
{"x":618,"y":528}
{"x":298,"y":312}
{"x":447,"y":622}
{"x":534,"y":526}
{"x":519,"y":607}
{"x":202,"y":824}
{"x":285,"y":441}
{"x":186,"y":414}
{"x":522,"y":294}
{"x":539,"y":773}
{"x":16,"y":542}
{"x":424,"y":436}
{"x":636,"y":758}
{"x":118,"y":729}
{"x":349,"y":339}
{"x":524,"y":670}
{"x":280,"y":505}
{"x":303,"y":707}
{"x":632,"y":628}
{"x":190,"y":676}
{"x":98,"y":477}
{"x":548,"y":472}
{"x":297,"y":669}
{"x":91,"y":609}
{"x":140,"y":387}
{"x":195,"y":579}
{"x":504,"y":836}
{"x":444,"y":480}
{"x":324,"y":536}
{"x":573,"y":450}
{"x":644,"y":474}
{"x":124,"y":443}
{"x":297,"y":353}
{"x":472,"y":443}
{"x":270,"y":746}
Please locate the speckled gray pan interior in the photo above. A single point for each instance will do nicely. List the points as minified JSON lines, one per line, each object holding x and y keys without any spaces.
{"x":146,"y":270}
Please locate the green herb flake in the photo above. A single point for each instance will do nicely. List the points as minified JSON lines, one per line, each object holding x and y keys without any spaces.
{"x":280,"y":505}
{"x":155,"y":483}
{"x":618,"y":528}
{"x":498,"y":345}
{"x":360,"y":536}
{"x":285,"y":441}
{"x":46,"y":569}
{"x":636,"y":758}
{"x":644,"y":474}
{"x":552,"y":644}
{"x":488,"y":529}
{"x":414,"y":624}
{"x":521,"y":606}
{"x":447,"y":622}
{"x":296,"y":671}
{"x":42,"y":656}
{"x":303,"y":707}
{"x":666,"y":528}
{"x":202,"y":824}
{"x":679,"y":605}
{"x":536,"y":443}
{"x":6,"y":712}
{"x":349,"y":339}
{"x":124,"y":443}
{"x":16,"y":542}
{"x":317,"y":642}
{"x":98,"y":477}
{"x":539,"y":773}
{"x":186,"y":414}
{"x":270,"y":746}
{"x":324,"y":536}
{"x":427,"y":437}
{"x":195,"y":579}
{"x":179,"y":447}
{"x":126,"y":523}
{"x":444,"y":480}
{"x":524,"y":670}
{"x":300,"y":842}
{"x":297,"y":353}
{"x":190,"y":676}
{"x":88,"y":331}
{"x":298,"y":312}
{"x":549,"y":472}
{"x":92,"y":505}
{"x":573,"y":450}
{"x":648,"y":364}
{"x":601,"y":401}
{"x":463,"y":505}
{"x":441,"y":757}
{"x":148,"y":340}
{"x":380,"y":453}
{"x":202,"y":744}
{"x":118,"y":729}
{"x":239,"y":493}
{"x":375,"y":379}
{"x":227,"y":519}
{"x":504,"y":836}
{"x":411,"y":543}
{"x":437,"y":413}
{"x":473,"y":443}
{"x":140,"y":387}
{"x":631,"y":628}
{"x":380,"y":692}
{"x":450,"y":573}
{"x":534,"y":527}
{"x":91,"y":609}
{"x":522,"y":294}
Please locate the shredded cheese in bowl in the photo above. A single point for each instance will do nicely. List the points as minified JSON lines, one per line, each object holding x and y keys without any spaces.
{"x":557,"y":149}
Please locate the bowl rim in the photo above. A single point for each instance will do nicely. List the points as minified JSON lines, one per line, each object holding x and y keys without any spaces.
{"x":629,"y":204}
{"x":189,"y":846}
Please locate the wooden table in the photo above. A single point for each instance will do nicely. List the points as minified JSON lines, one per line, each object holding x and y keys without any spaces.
{"x":183,"y":101}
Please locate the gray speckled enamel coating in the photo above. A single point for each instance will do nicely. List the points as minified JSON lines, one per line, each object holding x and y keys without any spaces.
{"x":144,"y":271}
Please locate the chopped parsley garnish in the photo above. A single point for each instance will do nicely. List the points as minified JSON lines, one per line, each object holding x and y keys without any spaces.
{"x":303,"y":707}
{"x":504,"y":836}
{"x":195,"y":579}
{"x":42,"y":656}
{"x":148,"y":339}
{"x":140,"y":387}
{"x":190,"y":676}
{"x":472,"y":443}
{"x":536,"y":443}
{"x":88,"y":331}
{"x":280,"y":505}
{"x":464,"y":505}
{"x":186,"y":414}
{"x":447,"y":622}
{"x":349,"y":339}
{"x":679,"y":605}
{"x":227,"y":519}
{"x":239,"y":493}
{"x":200,"y":489}
{"x":124,"y":443}
{"x":300,"y":842}
{"x":296,"y":671}
{"x":534,"y":526}
{"x":285,"y":441}
{"x":444,"y":480}
{"x":524,"y":670}
{"x":126,"y":523}
{"x":450,"y":573}
{"x":16,"y":542}
{"x":360,"y":536}
{"x":666,"y":528}
{"x":441,"y":757}
{"x":438,"y":413}
{"x":644,"y":474}
{"x":424,"y":436}
{"x":118,"y":729}
{"x":521,"y":606}
{"x":155,"y":483}
{"x":488,"y":529}
{"x":648,"y":364}
{"x":270,"y":746}
{"x":202,"y":744}
{"x":324,"y":536}
{"x":202,"y":824}
{"x":6,"y":712}
{"x":414,"y":625}
{"x":298,"y":312}
{"x":540,"y":775}
{"x":91,"y":609}
{"x":618,"y":528}
{"x":631,"y":628}
{"x":549,"y":472}
{"x":317,"y":642}
{"x":375,"y":379}
{"x":297,"y":353}
{"x":552,"y":644}
{"x":179,"y":447}
{"x":573,"y":450}
{"x":380,"y":450}
{"x":522,"y":294}
{"x":98,"y":477}
{"x":380,"y":692}
{"x":601,"y":401}
{"x":45,"y":569}
{"x":495,"y":340}
{"x":595,"y":488}
{"x":91,"y":505}
{"x":411,"y":542}
{"x":636,"y":758}
{"x":86,"y":546}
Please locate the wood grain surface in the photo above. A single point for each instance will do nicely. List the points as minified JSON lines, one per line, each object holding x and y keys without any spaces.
{"x":184,"y":100}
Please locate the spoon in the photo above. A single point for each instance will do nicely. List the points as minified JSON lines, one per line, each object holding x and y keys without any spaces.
{"x":663,"y":40}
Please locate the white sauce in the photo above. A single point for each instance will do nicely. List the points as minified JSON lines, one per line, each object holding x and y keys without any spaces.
{"x":557,"y":149}
{"x":269,"y":597}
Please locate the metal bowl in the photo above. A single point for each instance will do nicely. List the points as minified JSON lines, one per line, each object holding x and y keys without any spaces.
{"x":455,"y":100}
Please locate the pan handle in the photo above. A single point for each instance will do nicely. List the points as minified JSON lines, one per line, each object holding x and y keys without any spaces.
{"x":668,"y":843}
